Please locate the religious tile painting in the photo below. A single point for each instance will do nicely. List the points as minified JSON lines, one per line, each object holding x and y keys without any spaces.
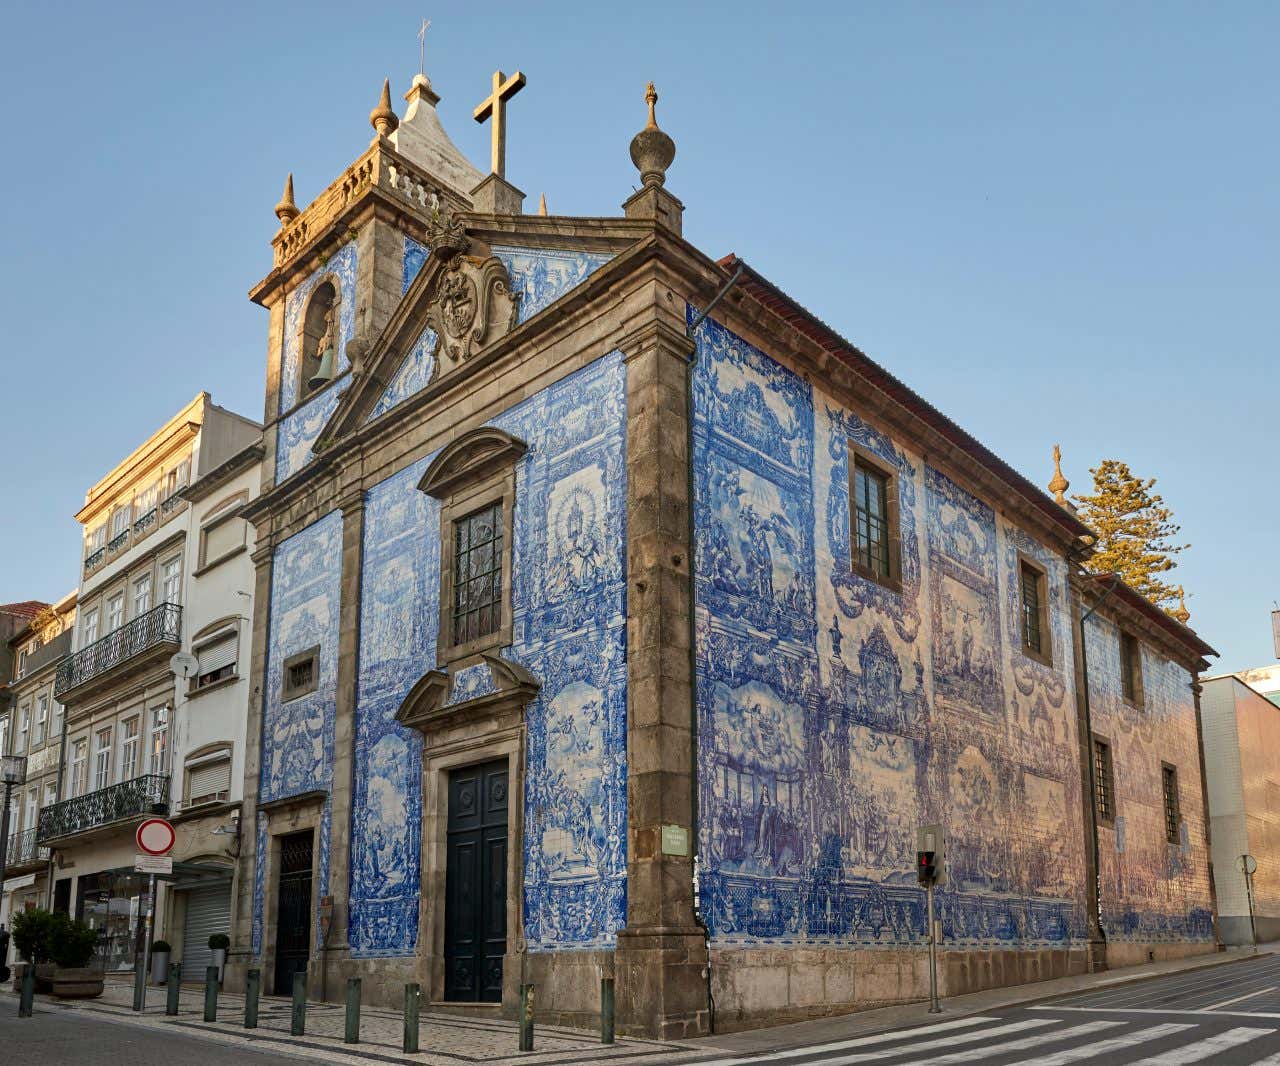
{"x":298,"y":431}
{"x":540,"y":276}
{"x":838,"y":713}
{"x":419,"y":365}
{"x":569,"y":631}
{"x":1152,"y":889}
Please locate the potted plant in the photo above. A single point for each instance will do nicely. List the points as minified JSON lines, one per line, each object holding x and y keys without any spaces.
{"x":160,"y":961}
{"x":32,"y":930}
{"x":72,"y":944}
{"x":218,"y":944}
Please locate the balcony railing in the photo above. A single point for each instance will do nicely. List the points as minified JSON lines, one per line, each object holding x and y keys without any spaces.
{"x":172,"y":502}
{"x":94,"y":558}
{"x":146,"y":522}
{"x":23,"y":849}
{"x":119,"y":540}
{"x":160,"y":625}
{"x":148,"y":794}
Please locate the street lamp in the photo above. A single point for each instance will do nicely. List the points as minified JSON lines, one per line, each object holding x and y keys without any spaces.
{"x":13,"y":772}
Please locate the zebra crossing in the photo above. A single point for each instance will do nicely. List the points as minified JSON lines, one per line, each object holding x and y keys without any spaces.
{"x":1044,"y":1039}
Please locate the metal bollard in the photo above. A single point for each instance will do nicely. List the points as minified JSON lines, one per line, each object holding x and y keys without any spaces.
{"x":252,"y":985}
{"x":352,"y":1035}
{"x":606,"y":1010}
{"x":27,"y":991}
{"x":526,"y":1017}
{"x":412,"y":1001}
{"x":299,"y":1024}
{"x":210,"y":993}
{"x":140,"y":980}
{"x":172,"y":988}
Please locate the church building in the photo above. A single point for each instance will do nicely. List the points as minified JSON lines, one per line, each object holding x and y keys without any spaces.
{"x":615,"y":617}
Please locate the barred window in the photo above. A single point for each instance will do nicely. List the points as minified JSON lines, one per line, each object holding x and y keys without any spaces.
{"x":1032,"y":582}
{"x":873,"y":518}
{"x":477,"y":574}
{"x":1172,"y":813}
{"x":1103,"y":781}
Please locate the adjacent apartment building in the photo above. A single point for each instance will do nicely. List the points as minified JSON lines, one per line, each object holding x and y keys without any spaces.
{"x":152,"y":723}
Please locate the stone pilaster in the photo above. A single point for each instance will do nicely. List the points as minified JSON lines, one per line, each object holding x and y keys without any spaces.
{"x":497,"y":196}
{"x":661,"y":958}
{"x":240,"y":958}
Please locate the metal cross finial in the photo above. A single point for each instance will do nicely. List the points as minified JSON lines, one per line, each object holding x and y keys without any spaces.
{"x":422,"y":47}
{"x":495,"y":106}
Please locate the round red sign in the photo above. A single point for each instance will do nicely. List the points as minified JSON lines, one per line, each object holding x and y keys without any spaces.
{"x":155,"y":836}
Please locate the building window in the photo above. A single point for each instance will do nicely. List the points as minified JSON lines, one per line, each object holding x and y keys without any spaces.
{"x":1172,"y":812}
{"x":171,"y":582}
{"x":98,"y":537}
{"x":129,"y":749}
{"x":873,"y":518}
{"x":90,"y":626}
{"x":24,"y":729}
{"x":115,"y":612}
{"x":1104,"y":784}
{"x":158,"y":748}
{"x":301,"y":674}
{"x":79,"y":766}
{"x":142,"y":595}
{"x":33,"y":805}
{"x":1131,"y":668}
{"x":56,"y":727}
{"x":102,"y":759}
{"x":477,"y":574}
{"x":42,"y":718}
{"x":119,"y":520}
{"x":50,"y":793}
{"x":216,"y":659}
{"x":208,"y":779}
{"x":1033,"y":594}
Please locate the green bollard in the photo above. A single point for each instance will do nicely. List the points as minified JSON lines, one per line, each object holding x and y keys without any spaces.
{"x":412,"y":1000}
{"x":606,"y":1010}
{"x":352,"y":1035}
{"x":27,"y":991}
{"x":210,"y":993}
{"x":252,"y":984}
{"x":172,"y":988}
{"x":299,"y":1025}
{"x":526,"y":1017}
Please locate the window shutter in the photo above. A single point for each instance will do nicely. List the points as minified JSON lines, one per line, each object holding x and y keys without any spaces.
{"x":208,"y":780}
{"x":216,"y":654}
{"x":223,"y":538}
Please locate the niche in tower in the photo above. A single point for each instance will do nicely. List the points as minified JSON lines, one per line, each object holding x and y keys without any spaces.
{"x":320,"y":327}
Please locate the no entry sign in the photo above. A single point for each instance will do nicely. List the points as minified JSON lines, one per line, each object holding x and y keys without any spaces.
{"x":155,"y":836}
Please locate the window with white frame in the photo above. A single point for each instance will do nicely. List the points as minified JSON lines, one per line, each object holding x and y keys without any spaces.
{"x":97,"y":537}
{"x":50,"y":793}
{"x":142,"y":595}
{"x":55,"y":728}
{"x":208,"y":778}
{"x":129,"y":740}
{"x":42,"y":718}
{"x":90,"y":627}
{"x":33,"y":801}
{"x":119,"y":520}
{"x":24,"y":728}
{"x":216,"y":657}
{"x":178,"y":477}
{"x":102,"y":759}
{"x":4,"y":735}
{"x":171,"y":581}
{"x":115,"y":612}
{"x":158,"y":746}
{"x":147,"y":500}
{"x":79,"y":766}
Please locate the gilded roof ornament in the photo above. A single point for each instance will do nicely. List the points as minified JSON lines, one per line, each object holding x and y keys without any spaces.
{"x":1058,"y":484}
{"x":382,"y":118}
{"x":286,"y":209}
{"x":652,"y":150}
{"x":1180,"y":612}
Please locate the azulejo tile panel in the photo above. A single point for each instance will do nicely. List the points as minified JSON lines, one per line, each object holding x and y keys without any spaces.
{"x":297,"y":736}
{"x":415,"y":372}
{"x":541,"y":276}
{"x":832,"y":718}
{"x":569,"y":629}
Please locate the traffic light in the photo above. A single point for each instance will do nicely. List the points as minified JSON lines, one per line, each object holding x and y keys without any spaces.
{"x":926,"y":871}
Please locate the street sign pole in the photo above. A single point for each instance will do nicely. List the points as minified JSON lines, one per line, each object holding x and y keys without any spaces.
{"x":934,"y":1008}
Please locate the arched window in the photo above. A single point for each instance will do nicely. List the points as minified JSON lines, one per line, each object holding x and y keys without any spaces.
{"x":320,"y":325}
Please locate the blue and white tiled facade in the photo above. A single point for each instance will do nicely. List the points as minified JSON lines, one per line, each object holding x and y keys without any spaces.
{"x":415,"y":372}
{"x":541,"y":276}
{"x":836,"y":714}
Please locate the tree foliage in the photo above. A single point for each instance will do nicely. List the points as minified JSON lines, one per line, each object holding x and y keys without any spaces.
{"x":1135,"y":531}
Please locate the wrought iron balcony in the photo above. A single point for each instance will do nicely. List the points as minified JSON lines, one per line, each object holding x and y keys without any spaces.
{"x":146,"y":522}
{"x":148,"y":794}
{"x":172,"y":502}
{"x":119,"y":540}
{"x":23,"y":850}
{"x":94,"y":558}
{"x":159,"y":626}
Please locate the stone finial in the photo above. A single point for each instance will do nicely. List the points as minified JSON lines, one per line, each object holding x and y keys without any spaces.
{"x":1180,"y":612}
{"x":542,"y":204}
{"x":652,"y":150}
{"x":1058,"y":484}
{"x":382,"y":118}
{"x":286,"y":209}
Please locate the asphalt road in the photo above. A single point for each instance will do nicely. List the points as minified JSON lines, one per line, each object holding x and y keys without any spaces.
{"x":1222,"y":1016}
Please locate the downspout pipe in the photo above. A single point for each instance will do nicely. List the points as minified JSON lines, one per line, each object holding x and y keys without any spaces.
{"x":62,"y":767}
{"x":690,"y":332}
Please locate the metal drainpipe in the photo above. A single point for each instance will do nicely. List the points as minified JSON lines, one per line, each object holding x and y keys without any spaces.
{"x":690,"y":330}
{"x":62,"y":764}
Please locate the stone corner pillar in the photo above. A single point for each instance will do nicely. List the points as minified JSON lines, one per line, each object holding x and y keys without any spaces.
{"x":661,"y":958}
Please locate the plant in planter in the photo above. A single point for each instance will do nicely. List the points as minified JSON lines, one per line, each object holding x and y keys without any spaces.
{"x":31,"y":935}
{"x":72,"y":945}
{"x":160,"y":951}
{"x":218,"y":944}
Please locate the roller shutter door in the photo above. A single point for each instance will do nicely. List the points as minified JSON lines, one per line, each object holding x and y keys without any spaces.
{"x":208,"y":912}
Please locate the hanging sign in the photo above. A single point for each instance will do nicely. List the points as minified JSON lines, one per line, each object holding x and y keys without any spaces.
{"x":155,"y":836}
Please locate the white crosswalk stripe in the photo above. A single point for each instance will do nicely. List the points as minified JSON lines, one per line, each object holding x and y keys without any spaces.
{"x":948,"y":1041}
{"x":1104,"y":1047}
{"x":977,"y":1054}
{"x":1206,"y":1048}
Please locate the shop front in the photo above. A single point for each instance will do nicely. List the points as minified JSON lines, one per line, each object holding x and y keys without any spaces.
{"x":114,"y":904}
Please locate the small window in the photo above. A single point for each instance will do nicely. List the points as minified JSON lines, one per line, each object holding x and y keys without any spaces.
{"x":209,"y":779}
{"x":171,"y":580}
{"x":1130,"y":668}
{"x":1034,"y":599}
{"x":142,"y":595}
{"x":129,"y":749}
{"x":873,"y":518}
{"x":477,"y":574}
{"x":42,"y":717}
{"x":1104,"y":781}
{"x":216,"y":659}
{"x":115,"y":612}
{"x":301,"y":674}
{"x":1172,"y":811}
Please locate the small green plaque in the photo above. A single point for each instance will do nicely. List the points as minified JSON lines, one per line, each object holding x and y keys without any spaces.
{"x":675,"y":840}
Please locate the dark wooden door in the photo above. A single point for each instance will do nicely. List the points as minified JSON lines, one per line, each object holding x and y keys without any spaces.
{"x":293,"y":910}
{"x":475,"y":936}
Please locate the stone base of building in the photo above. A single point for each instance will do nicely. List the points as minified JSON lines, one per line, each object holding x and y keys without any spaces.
{"x":1135,"y":953}
{"x":756,"y":987}
{"x":662,"y":984}
{"x":1235,"y":930}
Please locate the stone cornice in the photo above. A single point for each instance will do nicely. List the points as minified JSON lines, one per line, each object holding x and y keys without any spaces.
{"x":1124,"y":607}
{"x":202,"y":487}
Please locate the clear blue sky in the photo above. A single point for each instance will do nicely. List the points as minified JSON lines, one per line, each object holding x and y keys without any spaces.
{"x":1057,"y":222}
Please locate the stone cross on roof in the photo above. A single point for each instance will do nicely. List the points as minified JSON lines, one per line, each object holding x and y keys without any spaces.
{"x":495,"y":106}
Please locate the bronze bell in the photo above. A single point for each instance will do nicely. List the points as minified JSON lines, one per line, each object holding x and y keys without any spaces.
{"x":324,"y":373}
